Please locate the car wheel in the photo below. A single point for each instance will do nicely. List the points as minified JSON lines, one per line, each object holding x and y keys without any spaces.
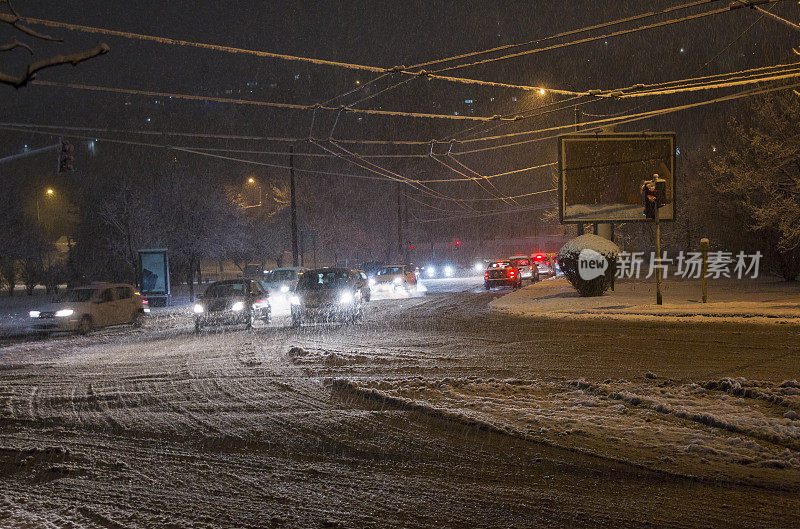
{"x":85,"y":325}
{"x":487,"y":286}
{"x":197,"y":326}
{"x":138,"y":319}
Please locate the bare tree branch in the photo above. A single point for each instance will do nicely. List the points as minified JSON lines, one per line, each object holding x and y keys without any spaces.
{"x":14,"y":20}
{"x":10,"y":7}
{"x":73,"y":59}
{"x":16,"y":44}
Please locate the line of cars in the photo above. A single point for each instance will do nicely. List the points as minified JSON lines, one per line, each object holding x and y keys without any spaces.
{"x":518,"y":268}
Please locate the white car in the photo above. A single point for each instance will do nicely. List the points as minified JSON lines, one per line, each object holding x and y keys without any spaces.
{"x":89,"y":307}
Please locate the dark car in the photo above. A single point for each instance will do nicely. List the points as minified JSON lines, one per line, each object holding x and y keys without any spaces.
{"x":502,"y":273}
{"x":232,"y":302}
{"x":328,"y":294}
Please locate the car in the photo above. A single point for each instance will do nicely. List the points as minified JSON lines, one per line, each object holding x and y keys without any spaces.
{"x":232,"y":302}
{"x":431,"y":271}
{"x":396,"y":278}
{"x":328,"y":294}
{"x":502,"y":273}
{"x":363,"y":284}
{"x":280,"y":282}
{"x":526,"y":268}
{"x":544,"y":264}
{"x":82,"y":309}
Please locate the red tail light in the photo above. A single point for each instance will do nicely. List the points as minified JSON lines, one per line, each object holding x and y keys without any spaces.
{"x":512,"y":273}
{"x":259,"y":301}
{"x":144,"y":301}
{"x":486,"y":275}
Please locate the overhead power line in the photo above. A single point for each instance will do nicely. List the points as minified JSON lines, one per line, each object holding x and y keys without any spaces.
{"x":270,"y":104}
{"x":608,"y":35}
{"x":565,"y":33}
{"x":271,"y":55}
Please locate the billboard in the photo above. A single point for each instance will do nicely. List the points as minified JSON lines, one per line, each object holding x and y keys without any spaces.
{"x":601,"y":175}
{"x":154,"y":272}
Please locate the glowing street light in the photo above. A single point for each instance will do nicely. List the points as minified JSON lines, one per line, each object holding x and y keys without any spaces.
{"x":542,"y":91}
{"x":252,"y":181}
{"x":49,"y":192}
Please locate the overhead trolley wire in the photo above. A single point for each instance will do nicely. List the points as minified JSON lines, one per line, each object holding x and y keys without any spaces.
{"x":563,"y":34}
{"x":271,"y":55}
{"x":654,"y":25}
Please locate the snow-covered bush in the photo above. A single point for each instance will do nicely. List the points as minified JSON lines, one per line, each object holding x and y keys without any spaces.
{"x":568,"y":259}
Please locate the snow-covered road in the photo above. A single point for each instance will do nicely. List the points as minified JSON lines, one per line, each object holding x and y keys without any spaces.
{"x":433,"y":412}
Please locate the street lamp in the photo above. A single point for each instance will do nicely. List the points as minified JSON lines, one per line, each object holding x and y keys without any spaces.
{"x":252,"y":180}
{"x":48,"y":193}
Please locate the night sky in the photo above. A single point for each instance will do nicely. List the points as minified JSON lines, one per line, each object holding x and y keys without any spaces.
{"x":381,"y":34}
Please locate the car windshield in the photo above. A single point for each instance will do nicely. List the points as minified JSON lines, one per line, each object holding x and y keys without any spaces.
{"x":521,"y":262}
{"x":316,"y":280}
{"x":500,"y":264}
{"x":77,"y":295}
{"x":283,"y":275}
{"x":390,"y":270}
{"x":225,"y":290}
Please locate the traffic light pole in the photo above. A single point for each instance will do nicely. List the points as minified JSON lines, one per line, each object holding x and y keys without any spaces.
{"x":294,"y":208}
{"x":658,"y":249}
{"x":56,"y":147}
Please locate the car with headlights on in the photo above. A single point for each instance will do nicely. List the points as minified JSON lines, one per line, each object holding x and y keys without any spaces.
{"x":441,"y":270}
{"x":280,"y":282}
{"x":96,"y":305}
{"x":232,"y":302}
{"x":396,"y":279}
{"x":502,"y":273}
{"x":328,"y":294}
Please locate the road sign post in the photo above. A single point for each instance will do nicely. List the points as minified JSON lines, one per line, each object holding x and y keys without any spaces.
{"x":704,"y":245}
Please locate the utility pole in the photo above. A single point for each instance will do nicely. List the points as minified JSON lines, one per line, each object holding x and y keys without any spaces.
{"x":399,"y":221}
{"x":295,"y":260}
{"x":577,"y":129}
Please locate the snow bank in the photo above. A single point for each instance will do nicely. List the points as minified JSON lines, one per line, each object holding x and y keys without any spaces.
{"x":762,"y":301}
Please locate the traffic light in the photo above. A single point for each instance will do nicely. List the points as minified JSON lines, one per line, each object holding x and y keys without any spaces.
{"x":654,"y":194}
{"x":66,"y":157}
{"x":458,"y":243}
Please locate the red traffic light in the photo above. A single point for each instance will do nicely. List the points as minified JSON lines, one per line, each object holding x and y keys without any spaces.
{"x":458,"y":243}
{"x":411,"y":247}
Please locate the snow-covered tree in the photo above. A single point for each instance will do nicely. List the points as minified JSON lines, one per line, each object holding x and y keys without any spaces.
{"x":757,"y":168}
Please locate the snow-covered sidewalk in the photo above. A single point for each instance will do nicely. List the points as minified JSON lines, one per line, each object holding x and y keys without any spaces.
{"x":765,"y":300}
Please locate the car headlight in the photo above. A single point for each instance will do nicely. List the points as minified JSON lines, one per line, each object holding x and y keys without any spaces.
{"x":198,"y":308}
{"x":448,"y":271}
{"x":294,"y":300}
{"x":34,"y":314}
{"x":430,"y":271}
{"x":64,"y":313}
{"x":285,"y":289}
{"x":398,"y":280}
{"x":371,"y":282}
{"x":237,"y":307}
{"x":346,"y":297}
{"x":478,"y":267}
